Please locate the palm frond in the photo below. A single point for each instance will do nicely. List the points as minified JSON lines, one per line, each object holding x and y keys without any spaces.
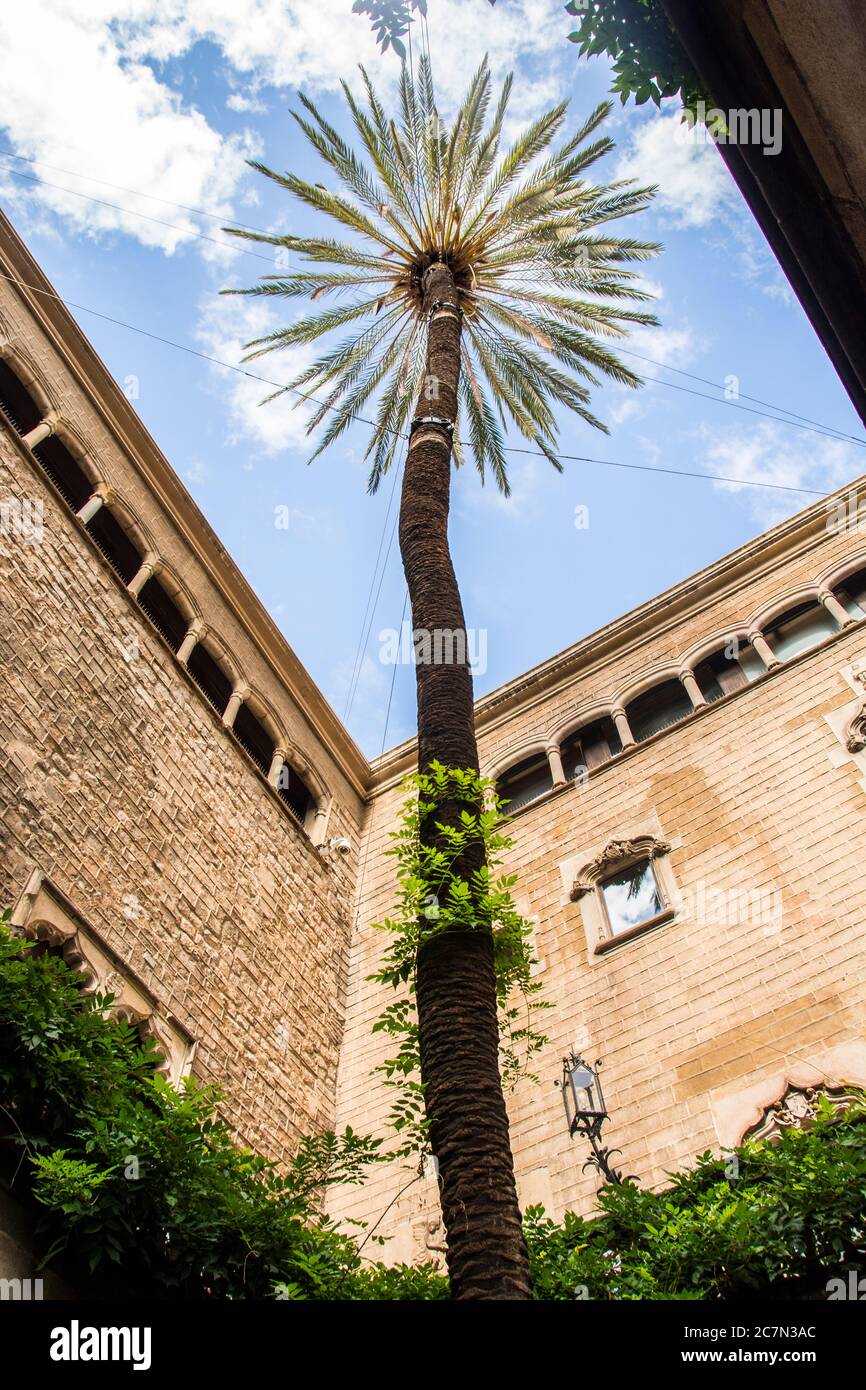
{"x":543,"y":282}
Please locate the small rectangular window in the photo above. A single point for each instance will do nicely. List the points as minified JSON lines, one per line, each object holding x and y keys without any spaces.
{"x":252,"y":735}
{"x":631,"y":897}
{"x":120,"y":552}
{"x":657,"y":709}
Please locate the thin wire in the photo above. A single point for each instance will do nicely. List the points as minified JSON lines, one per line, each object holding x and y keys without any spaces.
{"x":665,"y":366}
{"x":750,"y":410}
{"x":362,"y":419}
{"x":675,"y":472}
{"x":152,"y":197}
{"x":393,"y":678}
{"x":360,"y":647}
{"x":373,"y":611}
{"x":160,"y":222}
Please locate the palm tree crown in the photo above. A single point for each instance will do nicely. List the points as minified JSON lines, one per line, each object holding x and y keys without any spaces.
{"x":539,"y":279}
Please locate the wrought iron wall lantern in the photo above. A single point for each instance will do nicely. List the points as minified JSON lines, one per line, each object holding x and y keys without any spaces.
{"x":585,"y":1113}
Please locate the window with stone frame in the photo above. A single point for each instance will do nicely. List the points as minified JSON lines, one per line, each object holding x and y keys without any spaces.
{"x":625,"y":890}
{"x":16,"y":403}
{"x":631,"y":897}
{"x":65,"y":472}
{"x":798,"y":1109}
{"x":43,"y":914}
{"x":852,"y":594}
{"x":727,"y":670}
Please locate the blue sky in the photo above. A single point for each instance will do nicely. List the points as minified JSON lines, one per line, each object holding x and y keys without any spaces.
{"x":166,"y":99}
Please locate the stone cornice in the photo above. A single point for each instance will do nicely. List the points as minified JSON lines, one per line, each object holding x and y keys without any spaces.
{"x":139,"y":447}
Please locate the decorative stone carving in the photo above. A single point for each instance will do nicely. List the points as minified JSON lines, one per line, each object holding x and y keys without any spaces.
{"x":614,"y":854}
{"x":797,"y":1108}
{"x":855,"y":740}
{"x":428,"y":1241}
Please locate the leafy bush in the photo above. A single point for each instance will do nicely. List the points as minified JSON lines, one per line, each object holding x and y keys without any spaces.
{"x":793,"y":1217}
{"x":142,"y":1188}
{"x":141,"y":1185}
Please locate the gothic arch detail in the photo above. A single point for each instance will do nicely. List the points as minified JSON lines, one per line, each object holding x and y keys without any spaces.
{"x":44,"y":914}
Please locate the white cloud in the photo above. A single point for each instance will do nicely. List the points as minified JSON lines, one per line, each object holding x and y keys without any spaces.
{"x":647,"y":351}
{"x":73,"y":98}
{"x":226,"y":324}
{"x":694,"y":185}
{"x":84,"y":91}
{"x":784,"y":457}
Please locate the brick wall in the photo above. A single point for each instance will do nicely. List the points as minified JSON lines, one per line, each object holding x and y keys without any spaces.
{"x":701,"y":1022}
{"x":119,"y":782}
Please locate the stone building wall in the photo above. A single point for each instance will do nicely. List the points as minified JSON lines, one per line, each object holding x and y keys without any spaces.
{"x":703,"y":1022}
{"x":121,"y":787}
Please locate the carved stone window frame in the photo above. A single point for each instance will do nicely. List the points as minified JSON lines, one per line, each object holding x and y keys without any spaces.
{"x":44,"y":913}
{"x":622,"y":852}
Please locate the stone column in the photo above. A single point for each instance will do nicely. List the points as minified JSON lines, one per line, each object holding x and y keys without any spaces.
{"x":40,"y":432}
{"x":276,"y":767}
{"x":320,"y":825}
{"x":98,"y":498}
{"x":764,"y":650}
{"x":620,"y":719}
{"x":554,"y":757}
{"x":194,"y":633}
{"x":149,"y":567}
{"x":834,"y":607}
{"x":693,"y":690}
{"x":236,"y":699}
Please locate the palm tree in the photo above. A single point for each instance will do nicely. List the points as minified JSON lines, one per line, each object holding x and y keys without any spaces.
{"x":482,"y":285}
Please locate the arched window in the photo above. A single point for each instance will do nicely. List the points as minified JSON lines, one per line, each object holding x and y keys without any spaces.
{"x":163,"y":612}
{"x":589,"y":747}
{"x":852,"y":594}
{"x":525,"y":782}
{"x":116,"y":544}
{"x":657,"y":709}
{"x":65,"y":472}
{"x":295,"y":793}
{"x":16,"y":402}
{"x":252,"y":735}
{"x":723,"y":673}
{"x":210,"y":677}
{"x":799,"y":629}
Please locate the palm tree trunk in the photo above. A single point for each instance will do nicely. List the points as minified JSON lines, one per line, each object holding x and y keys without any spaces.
{"x":456,"y":988}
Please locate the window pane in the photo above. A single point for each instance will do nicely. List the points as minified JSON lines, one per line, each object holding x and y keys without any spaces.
{"x":631,"y":897}
{"x":525,"y":783}
{"x":798,"y":631}
{"x":658,"y":708}
{"x":852,"y":595}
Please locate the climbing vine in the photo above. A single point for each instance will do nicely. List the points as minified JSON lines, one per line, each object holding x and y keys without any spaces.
{"x":434,"y":896}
